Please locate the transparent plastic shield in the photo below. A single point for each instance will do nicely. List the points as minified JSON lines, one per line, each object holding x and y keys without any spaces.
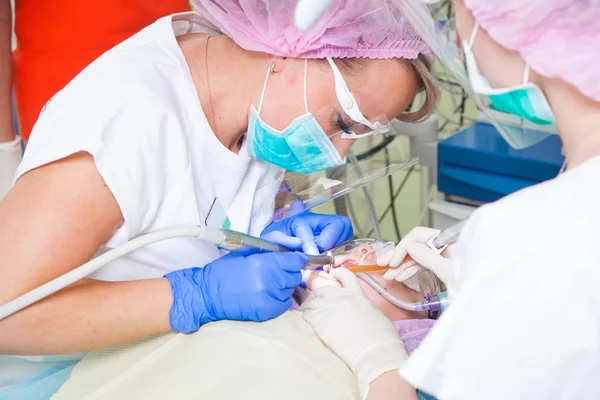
{"x":441,"y":35}
{"x":365,"y":163}
{"x":361,"y":255}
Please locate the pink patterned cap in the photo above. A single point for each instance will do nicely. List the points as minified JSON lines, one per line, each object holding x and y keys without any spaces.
{"x":349,"y":28}
{"x":558,"y":38}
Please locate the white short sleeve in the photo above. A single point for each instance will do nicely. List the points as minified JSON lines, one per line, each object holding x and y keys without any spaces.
{"x":123,"y":127}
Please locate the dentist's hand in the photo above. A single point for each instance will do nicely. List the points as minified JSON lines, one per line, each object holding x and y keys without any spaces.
{"x":236,"y":286}
{"x":356,"y":331}
{"x":311,"y":233}
{"x":413,"y":244}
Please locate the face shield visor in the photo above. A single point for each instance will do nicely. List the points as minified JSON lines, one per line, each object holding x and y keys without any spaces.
{"x":368,"y":161}
{"x":360,"y":256}
{"x":512,"y":111}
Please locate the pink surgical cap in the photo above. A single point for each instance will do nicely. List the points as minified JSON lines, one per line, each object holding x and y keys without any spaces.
{"x":349,"y":28}
{"x":558,"y":38}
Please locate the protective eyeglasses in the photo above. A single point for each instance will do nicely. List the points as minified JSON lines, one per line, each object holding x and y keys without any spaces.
{"x":377,"y":126}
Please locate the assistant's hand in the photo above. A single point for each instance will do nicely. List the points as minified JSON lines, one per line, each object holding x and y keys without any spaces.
{"x":311,"y":233}
{"x":240,"y":287}
{"x":355,"y":330}
{"x":413,"y":244}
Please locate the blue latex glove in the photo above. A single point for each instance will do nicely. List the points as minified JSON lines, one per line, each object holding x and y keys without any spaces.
{"x":311,"y":233}
{"x":237,"y":286}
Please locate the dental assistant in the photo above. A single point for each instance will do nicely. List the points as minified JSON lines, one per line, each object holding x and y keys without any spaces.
{"x":524,"y":318}
{"x":193,"y":121}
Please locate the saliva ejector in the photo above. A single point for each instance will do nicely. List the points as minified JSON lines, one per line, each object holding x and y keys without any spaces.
{"x":359,"y":256}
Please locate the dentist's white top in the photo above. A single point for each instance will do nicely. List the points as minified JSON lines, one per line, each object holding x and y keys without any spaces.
{"x":136,"y":111}
{"x":524,"y":318}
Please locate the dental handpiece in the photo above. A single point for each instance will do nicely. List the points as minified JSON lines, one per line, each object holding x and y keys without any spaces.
{"x":236,"y":240}
{"x":230,"y":240}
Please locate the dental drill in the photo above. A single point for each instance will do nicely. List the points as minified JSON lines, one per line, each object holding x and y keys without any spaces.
{"x":225,"y":239}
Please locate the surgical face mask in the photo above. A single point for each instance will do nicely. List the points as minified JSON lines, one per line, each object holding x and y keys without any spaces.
{"x":526,"y":101}
{"x":302,"y":147}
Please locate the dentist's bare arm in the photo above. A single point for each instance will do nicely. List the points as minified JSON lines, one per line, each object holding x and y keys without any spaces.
{"x":6,"y":65}
{"x":52,"y":221}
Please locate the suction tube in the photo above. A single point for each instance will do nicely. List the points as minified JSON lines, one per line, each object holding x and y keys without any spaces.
{"x":45,"y":290}
{"x":434,"y":303}
{"x":226,"y":239}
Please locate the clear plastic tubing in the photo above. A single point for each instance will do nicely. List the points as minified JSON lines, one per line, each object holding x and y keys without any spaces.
{"x":226,"y":239}
{"x":434,"y":303}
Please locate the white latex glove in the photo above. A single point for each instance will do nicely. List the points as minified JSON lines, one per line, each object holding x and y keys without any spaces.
{"x":413,"y":244}
{"x":10,"y":157}
{"x":355,"y":330}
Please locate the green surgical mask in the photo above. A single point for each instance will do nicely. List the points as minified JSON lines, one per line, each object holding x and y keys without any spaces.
{"x":526,"y":101}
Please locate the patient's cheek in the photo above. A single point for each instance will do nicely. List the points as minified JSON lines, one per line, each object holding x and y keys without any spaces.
{"x":374,"y":298}
{"x":398,"y":289}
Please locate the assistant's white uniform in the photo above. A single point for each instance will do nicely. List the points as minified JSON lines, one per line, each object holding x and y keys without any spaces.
{"x":524,"y":318}
{"x":136,"y":111}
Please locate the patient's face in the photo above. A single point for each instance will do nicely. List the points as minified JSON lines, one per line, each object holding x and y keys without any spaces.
{"x":364,"y":255}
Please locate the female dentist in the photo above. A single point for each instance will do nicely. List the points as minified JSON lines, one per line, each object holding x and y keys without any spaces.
{"x":193,"y":121}
{"x":524,"y":318}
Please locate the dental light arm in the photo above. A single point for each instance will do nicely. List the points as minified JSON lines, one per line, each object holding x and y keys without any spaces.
{"x":226,"y":239}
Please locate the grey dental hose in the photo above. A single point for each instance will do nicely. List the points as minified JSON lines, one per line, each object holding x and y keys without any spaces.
{"x":230,"y":240}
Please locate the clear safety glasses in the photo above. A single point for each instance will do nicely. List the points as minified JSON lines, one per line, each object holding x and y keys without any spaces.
{"x":344,"y":119}
{"x":358,"y":126}
{"x":439,"y":31}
